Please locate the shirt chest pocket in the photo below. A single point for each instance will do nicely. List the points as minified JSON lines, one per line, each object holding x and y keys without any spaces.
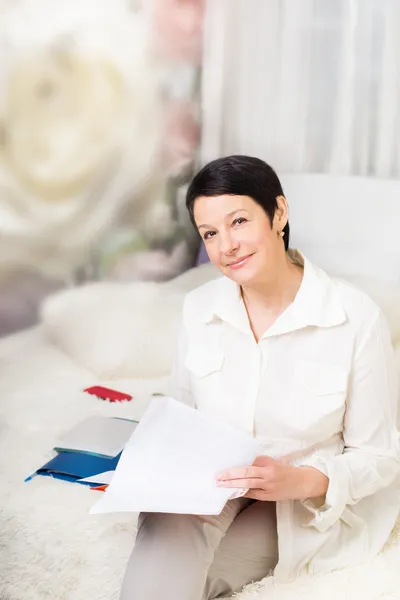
{"x":205,"y":368}
{"x":317,"y":397}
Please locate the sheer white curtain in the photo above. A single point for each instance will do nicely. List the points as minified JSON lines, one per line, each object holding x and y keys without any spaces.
{"x":309,"y":85}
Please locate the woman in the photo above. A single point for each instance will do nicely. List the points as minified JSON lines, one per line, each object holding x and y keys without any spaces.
{"x":302,"y":362}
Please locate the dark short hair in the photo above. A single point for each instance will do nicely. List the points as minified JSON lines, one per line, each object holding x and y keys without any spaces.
{"x":239,"y":176}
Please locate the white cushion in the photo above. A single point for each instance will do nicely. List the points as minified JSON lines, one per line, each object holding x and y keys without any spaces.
{"x":116,"y":331}
{"x":348,"y":225}
{"x":387,"y":297}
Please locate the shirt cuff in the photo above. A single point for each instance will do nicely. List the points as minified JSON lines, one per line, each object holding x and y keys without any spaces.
{"x":326,"y":511}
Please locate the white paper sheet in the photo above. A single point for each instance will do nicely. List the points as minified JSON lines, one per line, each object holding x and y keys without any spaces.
{"x":171,"y":461}
{"x":101,"y":478}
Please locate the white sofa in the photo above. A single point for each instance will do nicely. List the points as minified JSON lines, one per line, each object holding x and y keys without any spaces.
{"x":50,"y":547}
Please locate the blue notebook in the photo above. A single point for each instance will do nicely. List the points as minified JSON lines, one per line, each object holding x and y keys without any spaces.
{"x":71,"y":466}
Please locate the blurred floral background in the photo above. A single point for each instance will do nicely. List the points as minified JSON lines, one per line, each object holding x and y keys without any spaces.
{"x":107,"y":107}
{"x":99,"y":132}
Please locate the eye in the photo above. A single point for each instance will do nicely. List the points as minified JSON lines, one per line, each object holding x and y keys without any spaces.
{"x":208,"y":235}
{"x":239,"y":221}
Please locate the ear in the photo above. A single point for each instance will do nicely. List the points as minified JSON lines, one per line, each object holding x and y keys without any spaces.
{"x":281,"y":216}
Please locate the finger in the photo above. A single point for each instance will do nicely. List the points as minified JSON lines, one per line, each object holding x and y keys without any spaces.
{"x":241,"y":473}
{"x":240,"y":483}
{"x":264,"y":461}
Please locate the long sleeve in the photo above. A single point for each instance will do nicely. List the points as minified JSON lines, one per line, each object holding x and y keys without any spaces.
{"x":180,"y":386}
{"x":371,"y":457}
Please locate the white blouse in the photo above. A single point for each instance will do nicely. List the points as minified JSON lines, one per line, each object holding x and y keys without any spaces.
{"x":318,"y":389}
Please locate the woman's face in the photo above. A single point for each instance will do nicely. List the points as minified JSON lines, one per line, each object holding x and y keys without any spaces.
{"x":238,"y":236}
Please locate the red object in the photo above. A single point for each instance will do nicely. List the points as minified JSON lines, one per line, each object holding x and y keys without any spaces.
{"x":108,"y":394}
{"x":100,"y":488}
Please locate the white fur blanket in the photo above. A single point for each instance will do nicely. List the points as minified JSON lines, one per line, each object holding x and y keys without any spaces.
{"x":50,"y":547}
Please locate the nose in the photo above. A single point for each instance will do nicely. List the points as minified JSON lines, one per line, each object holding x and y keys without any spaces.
{"x":228,"y":244}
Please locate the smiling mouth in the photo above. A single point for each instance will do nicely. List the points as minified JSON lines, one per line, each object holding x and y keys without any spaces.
{"x":240,"y":263}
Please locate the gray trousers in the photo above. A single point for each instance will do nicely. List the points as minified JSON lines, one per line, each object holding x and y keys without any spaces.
{"x":187,"y":557}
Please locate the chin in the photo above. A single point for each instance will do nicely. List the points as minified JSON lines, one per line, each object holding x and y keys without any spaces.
{"x":242,"y":276}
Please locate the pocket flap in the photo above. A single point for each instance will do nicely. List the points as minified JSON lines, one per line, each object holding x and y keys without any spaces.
{"x":321,"y":378}
{"x":202,"y":363}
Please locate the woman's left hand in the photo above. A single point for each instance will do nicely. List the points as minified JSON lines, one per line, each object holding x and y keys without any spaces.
{"x":270,"y":479}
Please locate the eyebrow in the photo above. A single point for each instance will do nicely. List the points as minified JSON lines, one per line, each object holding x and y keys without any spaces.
{"x":228,"y":215}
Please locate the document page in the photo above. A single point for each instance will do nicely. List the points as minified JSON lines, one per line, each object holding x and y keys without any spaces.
{"x":171,"y":461}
